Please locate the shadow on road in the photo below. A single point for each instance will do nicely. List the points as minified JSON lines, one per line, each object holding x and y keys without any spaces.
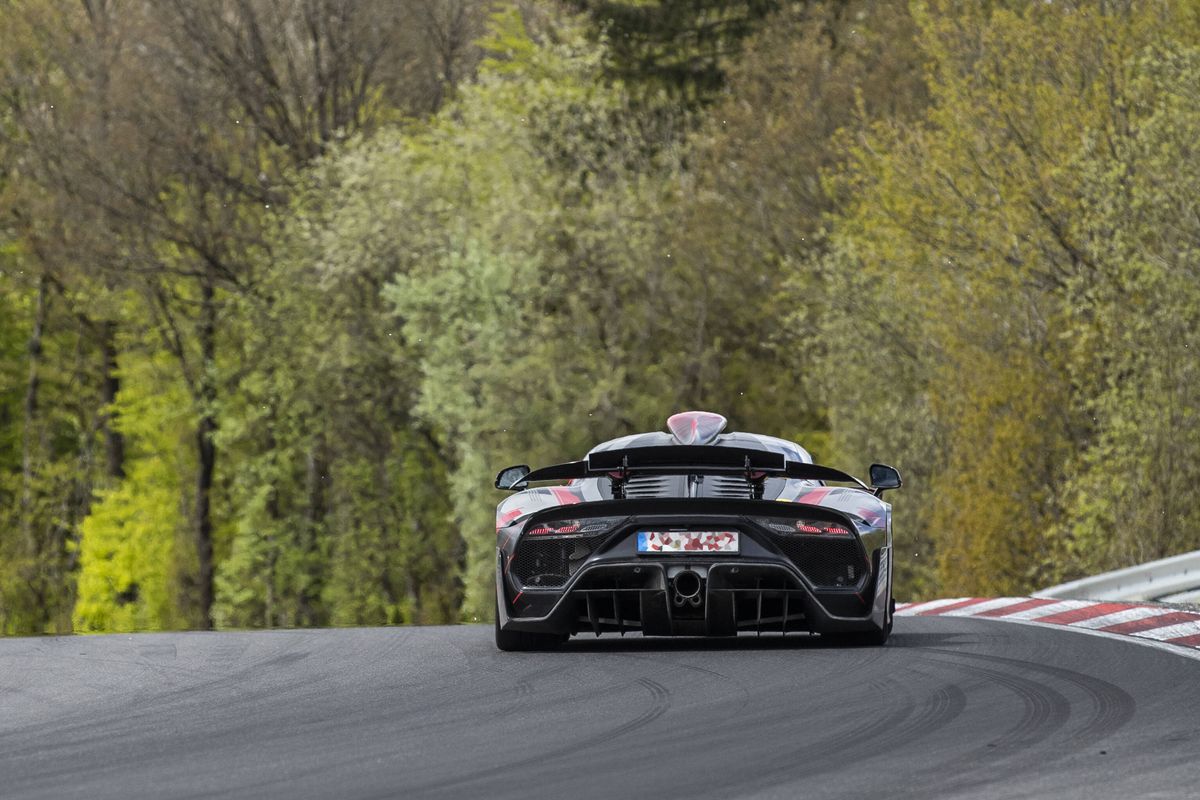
{"x":612,"y":644}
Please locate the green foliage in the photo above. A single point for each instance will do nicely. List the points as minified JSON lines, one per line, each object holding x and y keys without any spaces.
{"x":47,"y":447}
{"x":303,"y":330}
{"x":134,"y":550}
{"x":751,"y":226}
{"x":1134,"y":322}
{"x":516,"y":229}
{"x":679,"y":46}
{"x":394,"y":561}
{"x":966,"y":249}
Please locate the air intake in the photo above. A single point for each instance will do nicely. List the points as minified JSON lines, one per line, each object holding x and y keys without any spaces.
{"x":696,"y":427}
{"x":644,"y":486}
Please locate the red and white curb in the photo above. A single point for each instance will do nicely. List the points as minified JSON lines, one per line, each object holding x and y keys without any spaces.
{"x":1150,"y":624}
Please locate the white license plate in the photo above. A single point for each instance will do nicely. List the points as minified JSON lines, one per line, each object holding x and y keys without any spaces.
{"x":687,"y":542}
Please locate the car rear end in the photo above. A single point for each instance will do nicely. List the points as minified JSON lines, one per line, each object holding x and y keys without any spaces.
{"x":693,"y":567}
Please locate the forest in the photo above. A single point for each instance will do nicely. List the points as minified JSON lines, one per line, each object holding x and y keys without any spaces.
{"x":284,"y":282}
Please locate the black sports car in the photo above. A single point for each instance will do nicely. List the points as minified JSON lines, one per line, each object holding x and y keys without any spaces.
{"x":693,"y":533}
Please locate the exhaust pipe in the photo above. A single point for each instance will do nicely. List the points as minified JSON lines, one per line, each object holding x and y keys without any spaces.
{"x":687,"y":588}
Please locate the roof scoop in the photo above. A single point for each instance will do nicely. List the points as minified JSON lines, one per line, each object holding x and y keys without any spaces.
{"x":696,"y":427}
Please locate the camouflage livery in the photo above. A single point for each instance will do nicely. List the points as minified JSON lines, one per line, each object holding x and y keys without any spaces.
{"x":817,"y":556}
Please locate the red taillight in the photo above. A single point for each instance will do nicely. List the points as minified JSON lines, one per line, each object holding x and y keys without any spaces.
{"x":808,"y":527}
{"x":568,"y":527}
{"x":553,"y":528}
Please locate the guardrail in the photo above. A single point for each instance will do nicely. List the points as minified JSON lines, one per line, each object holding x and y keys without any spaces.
{"x":1170,"y":580}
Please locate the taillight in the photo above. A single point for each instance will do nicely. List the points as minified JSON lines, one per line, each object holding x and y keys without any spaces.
{"x":587,"y":526}
{"x":810,"y":527}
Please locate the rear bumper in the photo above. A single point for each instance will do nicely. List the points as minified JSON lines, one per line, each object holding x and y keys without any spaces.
{"x":639,"y":595}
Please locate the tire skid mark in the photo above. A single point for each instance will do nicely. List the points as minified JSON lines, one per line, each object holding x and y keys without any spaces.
{"x":138,"y":709}
{"x":660,"y":701}
{"x":841,"y":691}
{"x":872,"y":727}
{"x":943,"y":707}
{"x":474,"y":707}
{"x":1113,"y":707}
{"x":778,"y":712}
{"x":482,"y":701}
{"x":245,"y":657}
{"x":524,"y":691}
{"x":727,"y":680}
{"x":1046,"y":710}
{"x":776,"y":721}
{"x":826,"y":754}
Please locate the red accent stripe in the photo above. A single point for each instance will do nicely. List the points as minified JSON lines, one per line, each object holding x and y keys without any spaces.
{"x":1187,"y":641}
{"x":518,"y":597}
{"x":815,"y":496}
{"x":1080,"y":614}
{"x":564,"y":496}
{"x":1016,"y":608}
{"x":933,"y":612}
{"x":508,"y":516}
{"x":1150,"y":623}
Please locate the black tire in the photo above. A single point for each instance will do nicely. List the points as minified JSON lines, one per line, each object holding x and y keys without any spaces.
{"x":875,"y":638}
{"x":524,"y":641}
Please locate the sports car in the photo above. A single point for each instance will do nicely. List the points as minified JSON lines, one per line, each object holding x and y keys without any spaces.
{"x":693,"y":532}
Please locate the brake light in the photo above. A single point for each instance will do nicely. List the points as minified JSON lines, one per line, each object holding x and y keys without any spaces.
{"x":543,"y":530}
{"x":573,"y":527}
{"x":810,"y":527}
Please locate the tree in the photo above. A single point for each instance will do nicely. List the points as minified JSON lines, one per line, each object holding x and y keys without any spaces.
{"x":963,"y":246}
{"x":682,"y":46}
{"x":181,"y":128}
{"x":1136,"y":320}
{"x":751,"y":221}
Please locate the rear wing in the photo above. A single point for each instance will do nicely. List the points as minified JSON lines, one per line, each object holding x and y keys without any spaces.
{"x":620,"y":465}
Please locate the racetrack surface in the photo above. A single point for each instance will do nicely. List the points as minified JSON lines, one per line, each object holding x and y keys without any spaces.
{"x":950,"y":708}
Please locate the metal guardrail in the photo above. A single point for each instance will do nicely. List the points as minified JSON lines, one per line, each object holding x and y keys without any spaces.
{"x":1170,"y":580}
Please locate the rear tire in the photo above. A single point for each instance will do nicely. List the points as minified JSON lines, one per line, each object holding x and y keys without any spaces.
{"x":876,"y":638}
{"x":524,"y":641}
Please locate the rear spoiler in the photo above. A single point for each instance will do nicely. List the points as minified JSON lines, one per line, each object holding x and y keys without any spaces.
{"x":755,"y":465}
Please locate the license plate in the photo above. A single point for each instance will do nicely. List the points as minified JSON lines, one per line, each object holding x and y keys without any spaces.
{"x":687,"y":542}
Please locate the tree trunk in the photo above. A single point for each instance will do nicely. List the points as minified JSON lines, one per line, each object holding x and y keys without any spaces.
{"x":270,"y":617}
{"x":114,"y":440}
{"x":316,"y":468}
{"x":206,"y":449}
{"x":29,"y":428}
{"x":31,"y":447}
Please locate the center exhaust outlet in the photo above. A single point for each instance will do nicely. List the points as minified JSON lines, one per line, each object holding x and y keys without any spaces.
{"x":687,"y":588}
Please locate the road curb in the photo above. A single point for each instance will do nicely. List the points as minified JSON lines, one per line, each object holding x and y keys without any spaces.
{"x":1164,"y":627}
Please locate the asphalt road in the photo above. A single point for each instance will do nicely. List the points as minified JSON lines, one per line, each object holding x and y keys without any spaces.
{"x":951,"y":708}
